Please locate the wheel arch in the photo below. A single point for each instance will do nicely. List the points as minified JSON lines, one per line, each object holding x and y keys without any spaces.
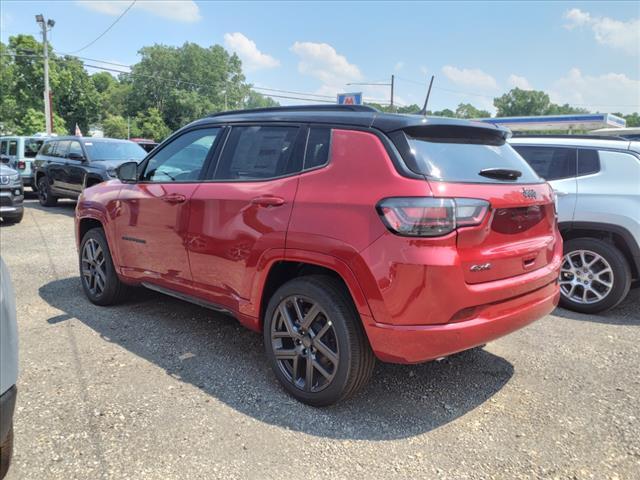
{"x":297,"y":264}
{"x":618,"y":236}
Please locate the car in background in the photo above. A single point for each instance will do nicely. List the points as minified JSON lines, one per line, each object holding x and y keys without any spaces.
{"x":628,"y":133}
{"x":340,"y":232}
{"x":145,"y":143}
{"x":597,"y":185}
{"x":65,"y":166}
{"x":11,"y":195}
{"x":8,"y":366}
{"x":18,"y":153}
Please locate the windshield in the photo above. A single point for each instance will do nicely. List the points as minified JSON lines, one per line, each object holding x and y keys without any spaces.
{"x":32,"y":146}
{"x":463,"y":162}
{"x":102,"y":150}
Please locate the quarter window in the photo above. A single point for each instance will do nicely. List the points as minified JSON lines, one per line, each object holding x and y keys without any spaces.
{"x":258,"y":153}
{"x":3,"y":148}
{"x":588,"y":161}
{"x":318,"y":144}
{"x":13,"y":148}
{"x":551,"y":163}
{"x":182,"y":159}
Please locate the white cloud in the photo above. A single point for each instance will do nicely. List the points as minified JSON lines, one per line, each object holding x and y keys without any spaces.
{"x":252,"y":58}
{"x":607,"y":31}
{"x":424,"y":70}
{"x":605,"y":93}
{"x":468,"y":77}
{"x":519,"y":82}
{"x":398,"y":66}
{"x":321,"y":61}
{"x":178,"y":10}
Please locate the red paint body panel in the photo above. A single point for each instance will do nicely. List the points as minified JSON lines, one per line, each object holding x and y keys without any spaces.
{"x":231,"y":227}
{"x":418,"y":298}
{"x":151,"y":229}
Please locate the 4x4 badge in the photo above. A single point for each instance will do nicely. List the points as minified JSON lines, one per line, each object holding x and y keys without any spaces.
{"x":528,"y":193}
{"x":481,"y":267}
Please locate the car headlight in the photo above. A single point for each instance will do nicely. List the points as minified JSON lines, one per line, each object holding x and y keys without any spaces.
{"x":15,"y":178}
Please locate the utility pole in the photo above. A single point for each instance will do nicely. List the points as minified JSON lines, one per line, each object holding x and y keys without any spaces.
{"x":426,"y":100}
{"x":46,"y":25}
{"x":393,"y":77}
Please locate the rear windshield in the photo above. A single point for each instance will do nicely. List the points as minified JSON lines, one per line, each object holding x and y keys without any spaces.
{"x":31,"y":146}
{"x":462,"y":159}
{"x":101,"y":150}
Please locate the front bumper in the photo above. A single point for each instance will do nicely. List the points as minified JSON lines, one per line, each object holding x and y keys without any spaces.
{"x":7,"y":407}
{"x":421,"y":343}
{"x":11,"y":199}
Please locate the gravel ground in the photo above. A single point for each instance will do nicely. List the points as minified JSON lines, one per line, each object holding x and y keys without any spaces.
{"x":161,"y":389}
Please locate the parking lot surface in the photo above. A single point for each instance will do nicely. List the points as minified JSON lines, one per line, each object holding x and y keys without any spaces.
{"x":161,"y":389}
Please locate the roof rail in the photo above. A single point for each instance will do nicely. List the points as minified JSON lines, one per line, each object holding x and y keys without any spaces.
{"x":584,"y":137}
{"x":301,"y":108}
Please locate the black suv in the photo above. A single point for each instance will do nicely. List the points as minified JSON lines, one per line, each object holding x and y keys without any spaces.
{"x":67,"y":165}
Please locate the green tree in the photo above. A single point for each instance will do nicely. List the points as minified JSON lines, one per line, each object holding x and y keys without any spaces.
{"x":75,"y":96}
{"x":103,"y":81}
{"x":257,"y":100}
{"x":187,"y":82}
{"x":522,"y":102}
{"x":32,"y":122}
{"x":151,"y":125}
{"x":115,"y":126}
{"x":466,"y":110}
{"x":443,"y":113}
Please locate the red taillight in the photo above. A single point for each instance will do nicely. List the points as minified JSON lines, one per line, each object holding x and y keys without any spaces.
{"x":430,"y":217}
{"x":21,"y":165}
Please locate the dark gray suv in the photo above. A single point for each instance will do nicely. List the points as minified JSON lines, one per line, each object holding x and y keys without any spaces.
{"x":67,"y":165}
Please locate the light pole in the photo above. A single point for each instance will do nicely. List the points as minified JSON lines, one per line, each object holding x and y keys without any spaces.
{"x":46,"y":25}
{"x":392,"y":84}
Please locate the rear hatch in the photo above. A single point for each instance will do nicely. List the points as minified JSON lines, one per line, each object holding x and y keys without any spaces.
{"x":517,"y":233}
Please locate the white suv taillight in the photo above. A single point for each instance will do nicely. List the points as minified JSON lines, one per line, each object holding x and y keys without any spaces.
{"x":430,"y":217}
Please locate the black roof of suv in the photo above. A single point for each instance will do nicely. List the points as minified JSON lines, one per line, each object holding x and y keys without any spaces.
{"x":352,"y":115}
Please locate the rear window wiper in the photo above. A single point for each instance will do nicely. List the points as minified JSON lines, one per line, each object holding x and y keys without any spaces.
{"x":500,"y":173}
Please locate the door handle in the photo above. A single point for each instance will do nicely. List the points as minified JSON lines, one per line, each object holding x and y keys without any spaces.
{"x":174,"y":198}
{"x":267,"y":201}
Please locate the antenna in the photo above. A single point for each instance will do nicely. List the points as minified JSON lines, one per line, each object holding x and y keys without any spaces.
{"x":426,"y":100}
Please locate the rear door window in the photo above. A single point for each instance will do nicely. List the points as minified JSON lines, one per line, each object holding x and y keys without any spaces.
{"x":3,"y":147}
{"x":259,"y":153}
{"x":588,"y":161}
{"x":460,"y":154}
{"x":62,"y":148}
{"x":551,"y":163}
{"x":32,"y":146}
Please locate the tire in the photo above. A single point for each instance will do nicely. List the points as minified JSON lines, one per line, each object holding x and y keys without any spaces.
{"x":13,"y":218}
{"x":6,"y":453}
{"x":47,"y":199}
{"x":609,"y":277}
{"x":343,"y":340}
{"x":99,"y":279}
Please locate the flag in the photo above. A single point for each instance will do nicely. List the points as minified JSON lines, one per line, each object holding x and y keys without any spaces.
{"x":78,"y":131}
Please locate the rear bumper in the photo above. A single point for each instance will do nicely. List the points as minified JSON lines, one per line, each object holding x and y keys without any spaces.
{"x":420,"y":343}
{"x":7,"y":406}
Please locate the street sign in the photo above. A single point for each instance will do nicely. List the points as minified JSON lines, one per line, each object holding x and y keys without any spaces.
{"x":350,"y":98}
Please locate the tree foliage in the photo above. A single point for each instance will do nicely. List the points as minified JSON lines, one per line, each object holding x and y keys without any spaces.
{"x":169,"y":87}
{"x":518,"y":102}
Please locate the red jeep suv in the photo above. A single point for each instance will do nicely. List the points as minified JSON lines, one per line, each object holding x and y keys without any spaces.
{"x":340,"y":232}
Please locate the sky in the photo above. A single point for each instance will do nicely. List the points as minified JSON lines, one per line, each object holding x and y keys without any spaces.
{"x":583,"y":53}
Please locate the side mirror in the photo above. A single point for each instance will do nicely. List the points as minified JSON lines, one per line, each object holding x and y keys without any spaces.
{"x":76,"y":156}
{"x":128,"y":172}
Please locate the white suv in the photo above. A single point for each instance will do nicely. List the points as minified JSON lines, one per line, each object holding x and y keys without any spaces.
{"x":597,"y":184}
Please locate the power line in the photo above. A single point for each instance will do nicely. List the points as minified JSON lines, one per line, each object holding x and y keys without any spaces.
{"x":108,"y":28}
